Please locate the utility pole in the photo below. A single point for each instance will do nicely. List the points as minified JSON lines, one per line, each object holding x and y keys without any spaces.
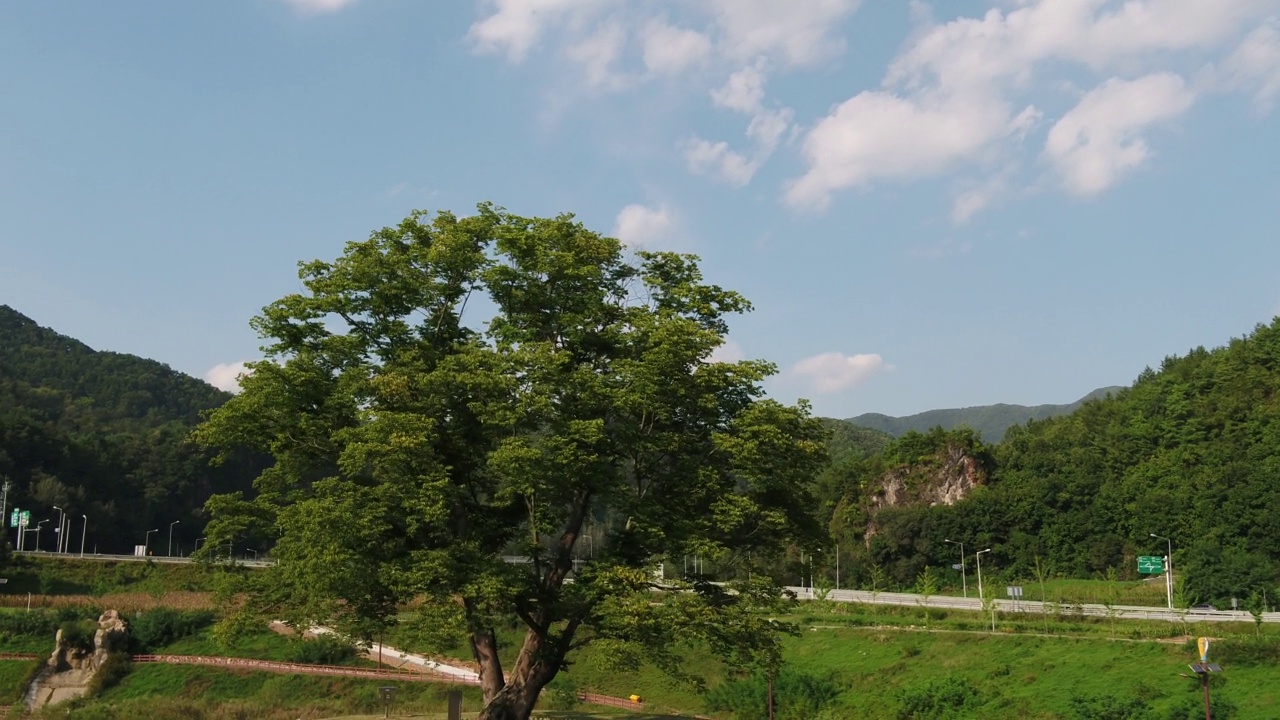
{"x":978,"y":555}
{"x":964,"y":580}
{"x":1168,"y":567}
{"x":83,"y":533}
{"x":4,"y":506}
{"x":175,"y":522}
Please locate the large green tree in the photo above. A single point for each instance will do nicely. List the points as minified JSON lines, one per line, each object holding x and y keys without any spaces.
{"x":454,"y":390}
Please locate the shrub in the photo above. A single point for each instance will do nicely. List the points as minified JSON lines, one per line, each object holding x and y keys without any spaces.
{"x":952,"y":697}
{"x":156,"y":628}
{"x":562,"y":694}
{"x":796,"y":695}
{"x":78,"y":634}
{"x":323,"y":650}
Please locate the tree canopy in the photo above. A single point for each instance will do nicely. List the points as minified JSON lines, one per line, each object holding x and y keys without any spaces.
{"x":454,"y":390}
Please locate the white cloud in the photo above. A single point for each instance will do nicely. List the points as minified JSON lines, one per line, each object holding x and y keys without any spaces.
{"x":833,"y":371}
{"x":320,"y":6}
{"x":716,"y":160}
{"x":728,"y":352}
{"x":669,"y":50}
{"x":639,"y":226}
{"x":948,"y":99}
{"x":799,"y":32}
{"x":226,"y":376}
{"x":516,"y":25}
{"x":1098,"y":141}
{"x":1255,"y":65}
{"x":598,"y":53}
{"x":876,"y":135}
{"x":743,"y":91}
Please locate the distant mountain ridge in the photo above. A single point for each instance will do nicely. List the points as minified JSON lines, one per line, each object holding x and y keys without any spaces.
{"x":990,"y":420}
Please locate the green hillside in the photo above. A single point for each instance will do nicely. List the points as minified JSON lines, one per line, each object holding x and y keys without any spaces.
{"x":1190,"y":452}
{"x":990,"y":420}
{"x":102,"y":435}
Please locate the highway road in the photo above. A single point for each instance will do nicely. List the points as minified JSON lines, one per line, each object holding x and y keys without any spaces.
{"x":947,"y":602}
{"x":941,"y":602}
{"x":134,"y":558}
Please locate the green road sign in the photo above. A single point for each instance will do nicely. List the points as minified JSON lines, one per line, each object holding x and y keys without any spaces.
{"x":13,"y":519}
{"x":1150,"y":564}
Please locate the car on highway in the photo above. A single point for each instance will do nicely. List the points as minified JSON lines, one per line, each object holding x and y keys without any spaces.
{"x":1203,"y":607}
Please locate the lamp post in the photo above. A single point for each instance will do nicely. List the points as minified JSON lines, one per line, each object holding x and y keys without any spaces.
{"x":42,"y":522}
{"x":175,"y":522}
{"x":61,"y":517}
{"x":84,"y":532}
{"x":1168,"y":567}
{"x":978,"y":556}
{"x":146,"y":541}
{"x":964,"y":580}
{"x":255,"y":553}
{"x":4,"y":504}
{"x":198,"y":543}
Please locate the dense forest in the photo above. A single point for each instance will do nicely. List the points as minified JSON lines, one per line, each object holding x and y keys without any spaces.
{"x":102,"y":435}
{"x":1191,"y":451}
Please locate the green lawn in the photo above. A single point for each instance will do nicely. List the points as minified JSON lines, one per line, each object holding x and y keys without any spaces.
{"x":13,"y":674}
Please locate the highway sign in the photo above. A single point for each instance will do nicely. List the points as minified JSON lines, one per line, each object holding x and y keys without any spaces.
{"x":24,"y":519}
{"x":1014,"y":591}
{"x":13,"y":519}
{"x":1150,"y":564}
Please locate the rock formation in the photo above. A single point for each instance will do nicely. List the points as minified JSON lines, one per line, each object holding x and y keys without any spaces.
{"x":72,"y":666}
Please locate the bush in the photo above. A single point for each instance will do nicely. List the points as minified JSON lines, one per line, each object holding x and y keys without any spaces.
{"x":952,"y":697}
{"x":562,"y":694}
{"x":323,"y":650}
{"x":796,"y":696}
{"x":1106,"y":707}
{"x":78,"y":634}
{"x":156,"y":628}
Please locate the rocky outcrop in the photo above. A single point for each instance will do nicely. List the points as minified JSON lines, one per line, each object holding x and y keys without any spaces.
{"x":71,"y":666}
{"x":944,"y":479}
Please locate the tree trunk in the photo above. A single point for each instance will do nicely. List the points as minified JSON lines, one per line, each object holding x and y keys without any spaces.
{"x":513,"y":702}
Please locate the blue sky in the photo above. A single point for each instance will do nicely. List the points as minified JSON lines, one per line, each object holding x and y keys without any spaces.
{"x":930,"y":204}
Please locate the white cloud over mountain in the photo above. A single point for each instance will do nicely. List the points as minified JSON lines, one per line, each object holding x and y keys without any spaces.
{"x":833,"y":371}
{"x":1075,"y":90}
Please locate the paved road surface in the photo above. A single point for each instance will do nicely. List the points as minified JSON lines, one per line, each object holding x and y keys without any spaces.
{"x":947,"y":602}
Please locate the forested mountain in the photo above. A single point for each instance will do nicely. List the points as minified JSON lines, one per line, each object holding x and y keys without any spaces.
{"x":1191,"y":451}
{"x":990,"y":420}
{"x":102,"y":434}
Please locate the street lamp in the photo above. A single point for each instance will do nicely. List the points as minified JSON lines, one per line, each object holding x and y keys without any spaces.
{"x":175,"y":522}
{"x":1168,"y":567}
{"x":255,"y":553}
{"x":146,"y":541}
{"x":964,"y":580}
{"x":42,"y":522}
{"x":61,"y":519}
{"x":978,"y":555}
{"x":84,"y":532}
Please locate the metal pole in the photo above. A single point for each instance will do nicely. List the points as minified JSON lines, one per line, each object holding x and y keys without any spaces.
{"x":964,"y":580}
{"x":84,"y":533}
{"x":1168,"y":567}
{"x":146,"y":541}
{"x":175,"y":522}
{"x":978,"y":555}
{"x":4,"y":505}
{"x":62,"y":515}
{"x":1204,"y":680}
{"x":38,"y":526}
{"x":837,"y":566}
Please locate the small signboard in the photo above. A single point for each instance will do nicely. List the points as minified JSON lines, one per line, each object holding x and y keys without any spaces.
{"x":957,"y":566}
{"x":24,"y":519}
{"x":1015,"y":591}
{"x":13,"y":518}
{"x":1150,"y":564}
